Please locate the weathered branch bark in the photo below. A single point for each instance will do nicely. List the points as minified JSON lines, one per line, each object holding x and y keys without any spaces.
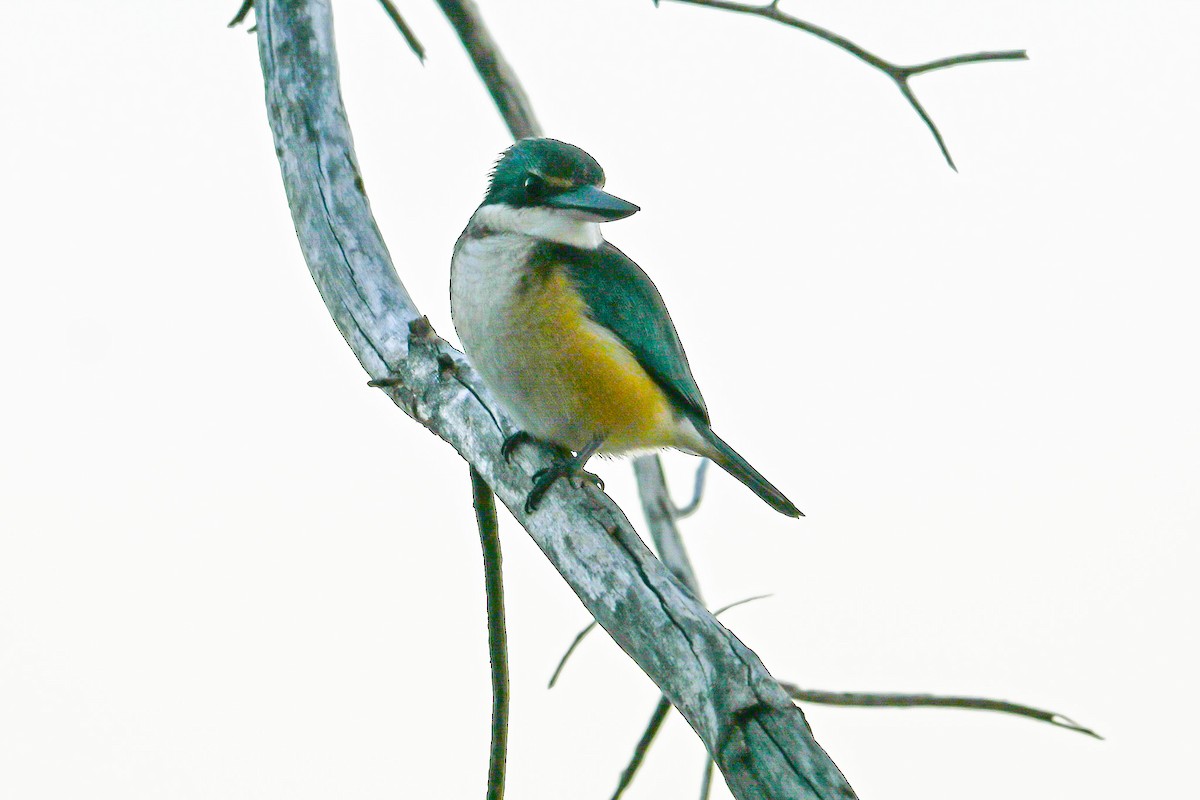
{"x":758,"y":738}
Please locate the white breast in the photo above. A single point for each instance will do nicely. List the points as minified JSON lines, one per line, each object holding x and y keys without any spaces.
{"x":485,"y":275}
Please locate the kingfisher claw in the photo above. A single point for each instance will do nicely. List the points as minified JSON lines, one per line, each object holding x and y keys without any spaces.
{"x":584,"y":476}
{"x":568,"y":468}
{"x":511,"y":444}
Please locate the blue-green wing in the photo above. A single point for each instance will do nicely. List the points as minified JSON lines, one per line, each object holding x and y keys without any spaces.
{"x":622,"y":298}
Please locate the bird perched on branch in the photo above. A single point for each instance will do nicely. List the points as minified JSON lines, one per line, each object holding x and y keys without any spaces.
{"x":569,"y":334}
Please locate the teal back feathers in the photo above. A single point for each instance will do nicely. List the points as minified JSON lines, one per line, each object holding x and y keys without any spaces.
{"x":622,"y":298}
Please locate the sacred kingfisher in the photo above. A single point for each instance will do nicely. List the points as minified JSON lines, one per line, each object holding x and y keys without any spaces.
{"x":570,"y":335}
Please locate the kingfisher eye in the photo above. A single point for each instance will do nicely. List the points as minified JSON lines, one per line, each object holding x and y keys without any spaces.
{"x":535,"y":185}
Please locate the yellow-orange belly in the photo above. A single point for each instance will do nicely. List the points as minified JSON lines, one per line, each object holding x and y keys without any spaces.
{"x":568,"y":380}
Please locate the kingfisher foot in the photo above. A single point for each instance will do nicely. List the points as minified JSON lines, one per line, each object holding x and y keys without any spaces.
{"x":569,"y":468}
{"x":513,"y":442}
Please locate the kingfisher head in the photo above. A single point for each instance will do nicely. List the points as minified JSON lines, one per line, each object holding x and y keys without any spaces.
{"x":552,"y":190}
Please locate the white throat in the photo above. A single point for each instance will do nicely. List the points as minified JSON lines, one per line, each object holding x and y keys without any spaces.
{"x":553,"y":224}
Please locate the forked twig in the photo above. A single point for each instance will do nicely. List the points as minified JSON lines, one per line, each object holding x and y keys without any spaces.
{"x":661,"y":515}
{"x":900,"y":74}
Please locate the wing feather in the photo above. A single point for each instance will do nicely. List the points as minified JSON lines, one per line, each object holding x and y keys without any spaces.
{"x":621,"y":297}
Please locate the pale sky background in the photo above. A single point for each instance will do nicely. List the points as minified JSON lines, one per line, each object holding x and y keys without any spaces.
{"x":228,"y":569}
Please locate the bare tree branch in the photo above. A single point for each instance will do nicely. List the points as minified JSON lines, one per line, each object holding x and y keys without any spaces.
{"x":489,"y":539}
{"x":499,"y":78}
{"x":885,"y":700}
{"x":661,"y":514}
{"x":410,"y":37}
{"x":656,"y":719}
{"x":656,"y":497}
{"x":749,"y":725}
{"x":899,"y":74}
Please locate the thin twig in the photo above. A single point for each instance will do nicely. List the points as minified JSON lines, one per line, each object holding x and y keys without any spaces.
{"x":741,"y":602}
{"x":878,"y":700}
{"x":899,"y":73}
{"x":240,"y":16}
{"x":706,"y":782}
{"x":496,"y":73}
{"x":409,"y":36}
{"x":697,"y":492}
{"x":643,"y":746}
{"x":562,"y":662}
{"x":493,"y":579}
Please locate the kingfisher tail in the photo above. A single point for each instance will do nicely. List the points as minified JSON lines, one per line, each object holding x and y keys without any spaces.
{"x":728,"y":459}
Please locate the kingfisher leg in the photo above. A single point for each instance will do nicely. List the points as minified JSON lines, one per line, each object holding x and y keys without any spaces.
{"x":570,"y":467}
{"x":513,"y":442}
